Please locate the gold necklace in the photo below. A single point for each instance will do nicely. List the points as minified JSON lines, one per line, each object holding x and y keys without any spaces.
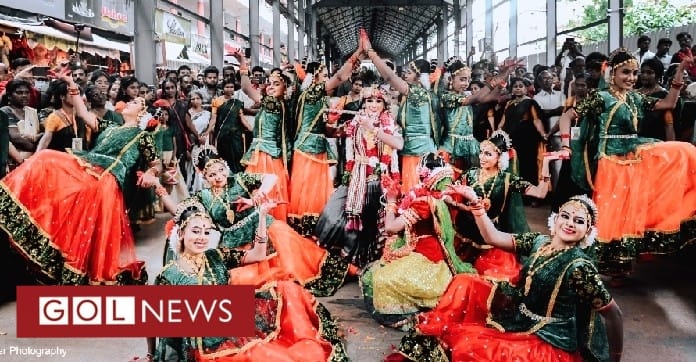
{"x":487,"y":194}
{"x":544,"y":250}
{"x":618,"y":94}
{"x":199,"y":263}
{"x":229,"y":213}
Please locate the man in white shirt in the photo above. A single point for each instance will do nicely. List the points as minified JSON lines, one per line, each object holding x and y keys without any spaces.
{"x":643,"y":53}
{"x":662,"y":54}
{"x":551,"y":103}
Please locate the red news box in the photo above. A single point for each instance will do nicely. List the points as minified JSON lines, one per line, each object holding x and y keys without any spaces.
{"x":135,"y":311}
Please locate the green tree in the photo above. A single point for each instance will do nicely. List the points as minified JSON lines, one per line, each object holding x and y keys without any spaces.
{"x":641,"y":16}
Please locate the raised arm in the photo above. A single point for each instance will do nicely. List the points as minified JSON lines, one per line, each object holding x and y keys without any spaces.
{"x":491,"y":91}
{"x":260,"y":249}
{"x":247,"y":87}
{"x":81,"y":110}
{"x":392,"y":223}
{"x":670,"y":101}
{"x":491,"y":235}
{"x":343,"y":74}
{"x":387,"y":73}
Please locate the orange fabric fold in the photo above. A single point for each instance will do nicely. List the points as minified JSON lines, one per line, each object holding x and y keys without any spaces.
{"x":499,"y":265}
{"x":459,"y":321}
{"x":296,"y":258}
{"x":84,"y":216}
{"x":310,"y":185}
{"x":269,"y":165}
{"x":298,"y":337}
{"x":409,"y":173}
{"x":656,"y":193}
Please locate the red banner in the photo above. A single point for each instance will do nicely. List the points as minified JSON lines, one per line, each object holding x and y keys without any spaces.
{"x":135,"y":311}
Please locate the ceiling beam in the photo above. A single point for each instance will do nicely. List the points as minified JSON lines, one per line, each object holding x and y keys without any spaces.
{"x":372,"y":3}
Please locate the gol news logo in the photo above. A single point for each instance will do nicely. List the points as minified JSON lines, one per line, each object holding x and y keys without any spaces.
{"x":135,"y":311}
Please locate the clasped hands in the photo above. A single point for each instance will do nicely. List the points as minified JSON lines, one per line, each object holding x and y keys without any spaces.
{"x":467,"y":192}
{"x":258,"y":199}
{"x":391,"y":188}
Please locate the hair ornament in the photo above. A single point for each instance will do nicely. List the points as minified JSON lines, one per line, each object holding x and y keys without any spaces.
{"x":620,"y":57}
{"x":436,"y":175}
{"x":456,"y":65}
{"x":207,"y":151}
{"x":374,"y":91}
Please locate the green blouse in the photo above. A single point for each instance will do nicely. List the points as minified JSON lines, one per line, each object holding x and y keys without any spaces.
{"x":270,"y":135}
{"x":418,"y":122}
{"x":617,"y":120}
{"x":218,"y":262}
{"x":237,"y":228}
{"x":503,"y":191}
{"x":118,"y":149}
{"x":564,"y":292}
{"x":459,"y":138}
{"x":310,"y":114}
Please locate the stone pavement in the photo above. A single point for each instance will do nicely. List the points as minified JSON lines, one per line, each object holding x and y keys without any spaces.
{"x":658,"y":303}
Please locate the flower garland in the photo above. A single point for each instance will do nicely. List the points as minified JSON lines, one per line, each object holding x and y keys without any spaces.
{"x":373,"y":156}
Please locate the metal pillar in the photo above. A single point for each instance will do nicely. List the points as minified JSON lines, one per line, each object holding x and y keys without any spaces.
{"x":254,"y":31}
{"x":425,"y":46}
{"x":489,"y":29}
{"x":457,"y":25}
{"x":313,"y":41}
{"x":217,"y":34}
{"x":442,"y":37}
{"x":513,"y":28}
{"x":550,"y":32}
{"x":291,"y":34}
{"x":276,"y":33}
{"x":144,"y":31}
{"x":301,"y":14}
{"x":616,"y":14}
{"x":469,"y":13}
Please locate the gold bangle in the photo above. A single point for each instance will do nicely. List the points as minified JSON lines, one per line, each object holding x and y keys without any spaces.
{"x":244,"y":72}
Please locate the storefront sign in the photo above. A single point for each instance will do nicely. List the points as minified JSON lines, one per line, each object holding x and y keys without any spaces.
{"x":114,"y":15}
{"x":172,"y":28}
{"x":200,"y":45}
{"x":55,"y":8}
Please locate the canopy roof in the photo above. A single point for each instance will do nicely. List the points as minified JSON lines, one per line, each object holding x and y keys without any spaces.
{"x":392,"y":24}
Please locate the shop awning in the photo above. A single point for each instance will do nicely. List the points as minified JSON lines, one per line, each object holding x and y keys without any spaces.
{"x":174,"y":57}
{"x":53,"y":38}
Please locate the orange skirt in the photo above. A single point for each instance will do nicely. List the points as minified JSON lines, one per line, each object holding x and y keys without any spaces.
{"x":409,"y":173}
{"x":655,"y":193}
{"x":498,"y":264}
{"x":296,"y":258}
{"x":459,"y":321}
{"x":71,"y":225}
{"x":264,"y":163}
{"x":298,"y":338}
{"x":310,"y":185}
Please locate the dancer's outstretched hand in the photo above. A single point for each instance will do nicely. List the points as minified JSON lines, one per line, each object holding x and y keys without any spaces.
{"x":465,"y":191}
{"x":269,"y":205}
{"x":243,"y":204}
{"x":367,"y":45}
{"x":391,"y":187}
{"x":510,"y":64}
